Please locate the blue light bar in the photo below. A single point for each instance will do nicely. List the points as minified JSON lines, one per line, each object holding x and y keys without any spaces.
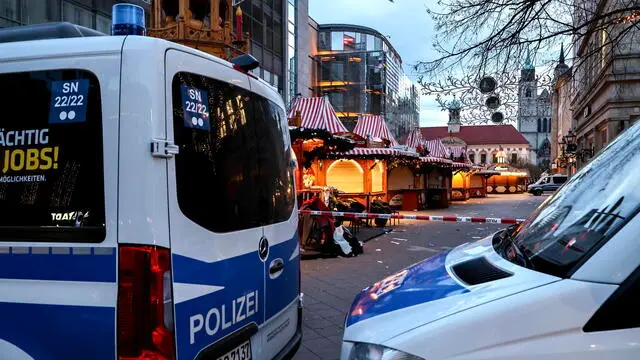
{"x":127,"y":19}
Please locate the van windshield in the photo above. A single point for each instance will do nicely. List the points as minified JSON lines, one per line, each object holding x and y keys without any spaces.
{"x":587,"y":211}
{"x":51,"y":173}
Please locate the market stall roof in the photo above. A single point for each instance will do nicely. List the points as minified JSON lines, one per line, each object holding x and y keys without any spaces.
{"x":377,"y":151}
{"x":433,"y":159}
{"x":374,"y":126}
{"x":436,"y":148}
{"x":317,"y":113}
{"x":415,"y":139}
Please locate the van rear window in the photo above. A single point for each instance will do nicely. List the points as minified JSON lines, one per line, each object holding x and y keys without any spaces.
{"x":51,"y":162}
{"x":233,"y":170}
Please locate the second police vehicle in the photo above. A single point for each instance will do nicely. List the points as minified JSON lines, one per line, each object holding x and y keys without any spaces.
{"x":562,"y":285}
{"x":147,"y":201}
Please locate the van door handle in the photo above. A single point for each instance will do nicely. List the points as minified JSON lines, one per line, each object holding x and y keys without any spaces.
{"x":276,"y":267}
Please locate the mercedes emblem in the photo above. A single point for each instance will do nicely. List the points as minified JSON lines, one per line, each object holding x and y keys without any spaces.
{"x":263,"y":248}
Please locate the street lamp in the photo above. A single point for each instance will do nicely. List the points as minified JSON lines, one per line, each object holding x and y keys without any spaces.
{"x":570,"y":142}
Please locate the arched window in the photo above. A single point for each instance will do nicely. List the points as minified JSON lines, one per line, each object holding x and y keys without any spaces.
{"x":346,"y":175}
{"x":472,"y":157}
{"x":539,"y":125}
{"x":544,"y":125}
{"x":528,"y":93}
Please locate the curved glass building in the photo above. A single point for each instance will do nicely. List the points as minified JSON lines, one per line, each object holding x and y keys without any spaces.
{"x":361,"y":73}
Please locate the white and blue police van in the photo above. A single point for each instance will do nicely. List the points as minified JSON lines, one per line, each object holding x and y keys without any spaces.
{"x":562,"y":285}
{"x":147,"y":202}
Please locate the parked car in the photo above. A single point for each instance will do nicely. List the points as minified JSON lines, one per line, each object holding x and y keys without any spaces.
{"x":563,"y":284}
{"x":549,"y":183}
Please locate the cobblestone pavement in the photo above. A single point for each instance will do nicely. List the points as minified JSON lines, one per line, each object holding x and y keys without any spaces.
{"x":329,"y":285}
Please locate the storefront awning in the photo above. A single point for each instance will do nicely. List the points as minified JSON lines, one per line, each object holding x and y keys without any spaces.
{"x":376,"y":127}
{"x":317,"y":113}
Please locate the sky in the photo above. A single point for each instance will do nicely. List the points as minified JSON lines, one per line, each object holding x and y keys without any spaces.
{"x":404,"y":22}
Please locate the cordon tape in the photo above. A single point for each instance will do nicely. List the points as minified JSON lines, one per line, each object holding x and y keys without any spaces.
{"x":459,"y":219}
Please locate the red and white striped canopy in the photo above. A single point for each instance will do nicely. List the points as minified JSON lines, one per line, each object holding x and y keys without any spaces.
{"x":437,"y":148}
{"x":433,"y":159}
{"x":415,"y":139}
{"x":317,"y":113}
{"x":378,"y":151}
{"x":374,"y":126}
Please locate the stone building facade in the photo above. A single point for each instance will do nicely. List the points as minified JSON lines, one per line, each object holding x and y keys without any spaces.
{"x":606,"y":79}
{"x":534,"y":115}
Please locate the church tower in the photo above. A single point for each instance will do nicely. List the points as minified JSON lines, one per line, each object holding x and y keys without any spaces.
{"x":454,"y":117}
{"x":527,"y":95}
{"x":534,"y":113}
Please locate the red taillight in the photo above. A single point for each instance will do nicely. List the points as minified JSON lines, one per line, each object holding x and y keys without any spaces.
{"x":145,"y":304}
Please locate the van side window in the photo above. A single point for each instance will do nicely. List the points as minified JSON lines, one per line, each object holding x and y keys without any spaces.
{"x":620,"y":311}
{"x":232,"y":172}
{"x":51,"y":157}
{"x":559,"y":179}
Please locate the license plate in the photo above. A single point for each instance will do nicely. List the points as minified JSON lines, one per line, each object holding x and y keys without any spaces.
{"x":242,"y":352}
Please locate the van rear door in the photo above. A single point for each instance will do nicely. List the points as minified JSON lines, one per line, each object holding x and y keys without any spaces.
{"x":58,"y":140}
{"x":282,"y":266}
{"x":214,"y":213}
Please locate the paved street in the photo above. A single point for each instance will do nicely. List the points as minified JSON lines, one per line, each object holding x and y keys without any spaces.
{"x":329,"y":285}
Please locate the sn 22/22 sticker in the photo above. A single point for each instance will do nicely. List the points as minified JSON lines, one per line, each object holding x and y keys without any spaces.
{"x":196,"y":108}
{"x":69,"y":101}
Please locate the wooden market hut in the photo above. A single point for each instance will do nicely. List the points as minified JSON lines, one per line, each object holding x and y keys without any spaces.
{"x":436,"y":174}
{"x":405,"y":185}
{"x":315,"y":130}
{"x":510,"y":180}
{"x":361,"y":173}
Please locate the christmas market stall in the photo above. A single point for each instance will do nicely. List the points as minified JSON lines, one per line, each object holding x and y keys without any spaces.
{"x":508,"y":180}
{"x":361,"y":173}
{"x":435,"y":168}
{"x":404,"y":177}
{"x":315,"y":131}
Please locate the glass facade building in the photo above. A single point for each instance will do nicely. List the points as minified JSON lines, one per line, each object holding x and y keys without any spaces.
{"x":265,"y":21}
{"x":362,"y":74}
{"x":95,"y":14}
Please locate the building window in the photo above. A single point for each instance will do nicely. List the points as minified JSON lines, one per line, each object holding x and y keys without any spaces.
{"x":40,"y":11}
{"x":539,"y":125}
{"x":337,"y":41}
{"x":495,"y":158}
{"x":77,"y":15}
{"x":472,"y":157}
{"x":10,"y":13}
{"x":528,"y":93}
{"x":103,"y":24}
{"x":514,"y":158}
{"x":292,"y":48}
{"x":483,"y":158}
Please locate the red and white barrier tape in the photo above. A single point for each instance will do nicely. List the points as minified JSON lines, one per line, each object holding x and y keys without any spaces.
{"x":460,"y":219}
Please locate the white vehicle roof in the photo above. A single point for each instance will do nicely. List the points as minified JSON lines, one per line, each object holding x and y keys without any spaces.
{"x":98,"y":45}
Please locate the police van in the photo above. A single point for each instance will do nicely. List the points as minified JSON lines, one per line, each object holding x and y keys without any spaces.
{"x":564,"y":284}
{"x":146,"y":202}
